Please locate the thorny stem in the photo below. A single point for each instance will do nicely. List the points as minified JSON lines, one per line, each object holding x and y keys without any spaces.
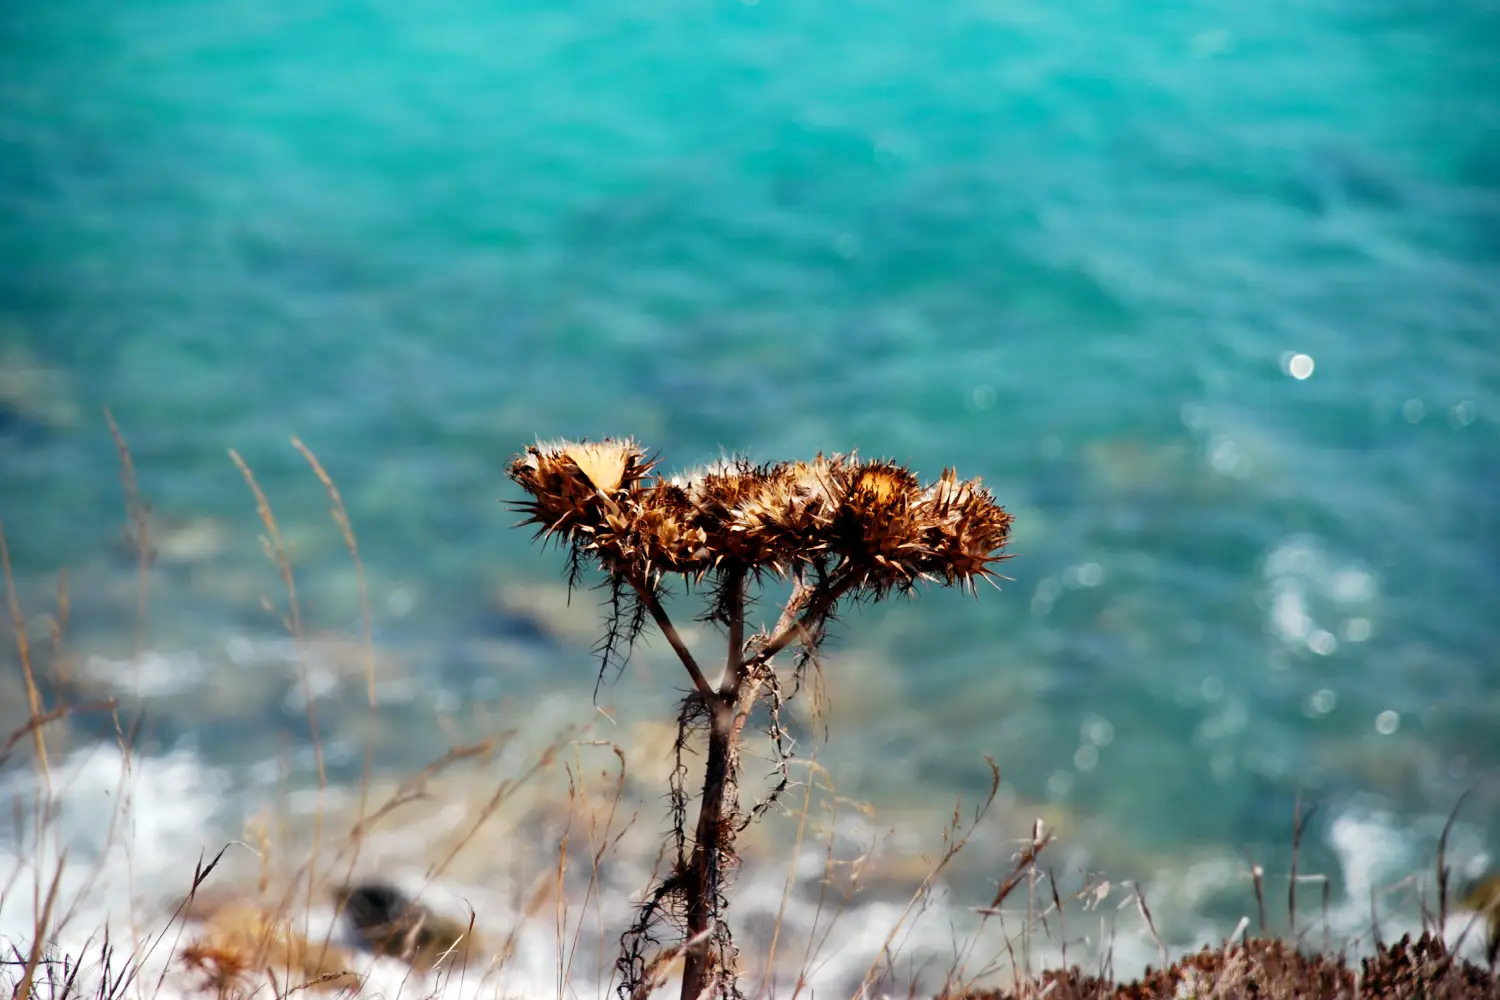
{"x":729,"y":711}
{"x":669,"y":630}
{"x":732,"y":663}
{"x":705,"y":867}
{"x":793,"y":625}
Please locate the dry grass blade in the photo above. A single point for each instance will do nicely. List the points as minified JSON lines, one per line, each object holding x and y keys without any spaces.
{"x":1442,"y":858}
{"x":276,"y":547}
{"x":1257,"y":878}
{"x":277,"y":550}
{"x":955,"y":845}
{"x":601,"y":840}
{"x":819,"y":933}
{"x":23,"y":648}
{"x":791,"y":875}
{"x":1299,"y":827}
{"x":1140,"y":902}
{"x":138,"y":512}
{"x":1057,"y":906}
{"x":340,"y":515}
{"x":1023,"y":869}
{"x":656,"y":970}
{"x":47,"y":718}
{"x":39,"y":930}
{"x":58,"y":626}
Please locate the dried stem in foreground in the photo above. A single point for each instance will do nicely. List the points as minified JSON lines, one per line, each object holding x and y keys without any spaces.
{"x":838,"y":528}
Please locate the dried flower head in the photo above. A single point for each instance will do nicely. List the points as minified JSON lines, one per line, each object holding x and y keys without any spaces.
{"x":668,"y":536}
{"x":573,"y":484}
{"x":762,"y":530}
{"x":868,"y":522}
{"x":875,"y":530}
{"x":719,"y":496}
{"x":965,"y":529}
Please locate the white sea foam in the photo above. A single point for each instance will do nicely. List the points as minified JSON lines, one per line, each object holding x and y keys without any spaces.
{"x":133,"y":830}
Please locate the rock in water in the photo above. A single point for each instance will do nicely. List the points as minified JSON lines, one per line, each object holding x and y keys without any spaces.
{"x":388,"y":922}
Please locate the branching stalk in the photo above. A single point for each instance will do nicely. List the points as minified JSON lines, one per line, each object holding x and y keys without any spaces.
{"x":792,"y":626}
{"x":705,"y":867}
{"x":659,"y":615}
{"x":732,"y":664}
{"x":874,"y":521}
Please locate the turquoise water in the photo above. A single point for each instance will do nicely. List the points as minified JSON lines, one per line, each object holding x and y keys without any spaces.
{"x":1082,"y":250}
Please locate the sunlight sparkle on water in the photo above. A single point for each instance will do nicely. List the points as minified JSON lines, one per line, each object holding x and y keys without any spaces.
{"x":1299,"y":366}
{"x":1320,"y":702}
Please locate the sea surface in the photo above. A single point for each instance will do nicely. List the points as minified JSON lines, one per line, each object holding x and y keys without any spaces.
{"x":1208,"y":293}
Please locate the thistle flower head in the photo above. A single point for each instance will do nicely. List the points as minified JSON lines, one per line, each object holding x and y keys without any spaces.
{"x":873,"y":529}
{"x":870,"y":523}
{"x":965,"y":529}
{"x":668,"y":538}
{"x":578,"y":467}
{"x":574,"y":484}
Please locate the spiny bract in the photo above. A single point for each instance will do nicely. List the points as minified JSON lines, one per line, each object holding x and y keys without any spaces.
{"x":868,"y":522}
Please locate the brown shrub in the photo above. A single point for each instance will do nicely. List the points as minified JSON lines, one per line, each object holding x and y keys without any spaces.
{"x":1265,"y":969}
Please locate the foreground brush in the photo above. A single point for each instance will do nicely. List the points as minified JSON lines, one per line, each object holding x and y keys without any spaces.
{"x":840,"y":529}
{"x":1483,"y":897}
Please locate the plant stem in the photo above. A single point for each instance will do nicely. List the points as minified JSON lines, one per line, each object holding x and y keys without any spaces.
{"x":729,"y":711}
{"x":816,"y":600}
{"x":733,"y":665}
{"x":708,"y":839}
{"x":704,"y":872}
{"x":669,"y":630}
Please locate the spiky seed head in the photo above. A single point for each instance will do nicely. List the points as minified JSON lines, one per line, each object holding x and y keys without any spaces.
{"x":965,"y":529}
{"x":575,"y":484}
{"x":669,"y":540}
{"x":608,"y":465}
{"x":717,"y":493}
{"x":879,"y":484}
{"x":816,"y":484}
{"x":874,"y":529}
{"x":881,"y":529}
{"x":579,"y":467}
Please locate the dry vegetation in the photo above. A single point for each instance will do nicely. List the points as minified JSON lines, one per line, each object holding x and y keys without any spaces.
{"x":837,"y":529}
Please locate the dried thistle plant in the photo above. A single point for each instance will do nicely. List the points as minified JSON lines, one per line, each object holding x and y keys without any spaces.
{"x":839,"y":528}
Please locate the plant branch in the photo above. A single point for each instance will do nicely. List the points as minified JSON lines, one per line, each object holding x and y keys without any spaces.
{"x":733,"y":668}
{"x":659,"y":613}
{"x":793,"y":625}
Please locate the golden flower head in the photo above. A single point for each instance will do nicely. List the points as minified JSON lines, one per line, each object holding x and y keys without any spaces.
{"x":668,"y":538}
{"x":575,"y":485}
{"x":964,"y":529}
{"x":870,"y":521}
{"x":875,"y":530}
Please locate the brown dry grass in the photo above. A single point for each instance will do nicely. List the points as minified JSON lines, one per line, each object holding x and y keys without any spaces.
{"x":1270,"y":969}
{"x":237,"y":940}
